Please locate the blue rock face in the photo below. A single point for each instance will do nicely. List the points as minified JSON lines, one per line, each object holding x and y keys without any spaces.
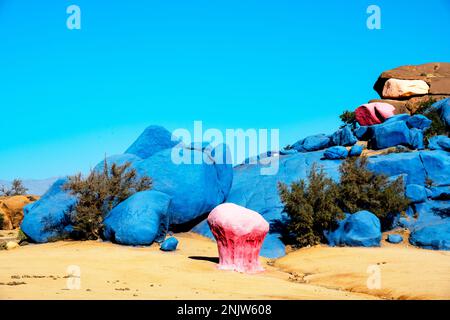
{"x":48,"y":218}
{"x":363,"y":133}
{"x":151,"y":141}
{"x":416,"y":139}
{"x":439,"y":143}
{"x":355,"y":151}
{"x":394,"y":238}
{"x":416,"y":193}
{"x":170,"y":244}
{"x":343,"y":137}
{"x":336,"y":153}
{"x":312,"y":143}
{"x":139,"y":220}
{"x":435,"y":236}
{"x":361,"y":229}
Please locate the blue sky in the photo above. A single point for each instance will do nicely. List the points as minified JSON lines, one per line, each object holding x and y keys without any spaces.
{"x":68,"y":97}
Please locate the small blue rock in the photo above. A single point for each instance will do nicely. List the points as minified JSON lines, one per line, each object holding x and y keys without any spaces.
{"x":363,"y":133}
{"x":170,"y":244}
{"x":343,"y":137}
{"x":355,"y":151}
{"x":439,"y":143}
{"x":394,"y":238}
{"x":443,"y":107}
{"x":416,"y":193}
{"x":312,"y":143}
{"x":416,"y":137}
{"x":336,"y":153}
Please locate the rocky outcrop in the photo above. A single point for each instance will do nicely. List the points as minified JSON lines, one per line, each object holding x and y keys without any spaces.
{"x":436,"y":76}
{"x":11,"y":210}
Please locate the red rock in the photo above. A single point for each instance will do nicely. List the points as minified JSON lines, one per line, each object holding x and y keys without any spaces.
{"x":240,"y":233}
{"x":373,"y":113}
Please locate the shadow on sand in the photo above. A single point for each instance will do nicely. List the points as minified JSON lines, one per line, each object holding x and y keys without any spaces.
{"x":210,"y":259}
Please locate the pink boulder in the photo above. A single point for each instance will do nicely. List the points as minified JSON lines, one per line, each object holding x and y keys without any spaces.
{"x":239,"y":233}
{"x":374,"y":113}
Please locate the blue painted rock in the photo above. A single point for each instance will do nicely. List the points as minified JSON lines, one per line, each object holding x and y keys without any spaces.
{"x":443,"y":107}
{"x":170,"y":244}
{"x":394,"y":238}
{"x":440,"y":193}
{"x":361,"y":229}
{"x":416,"y":193}
{"x":312,"y":143}
{"x":336,"y":153}
{"x":139,"y":220}
{"x":48,"y":218}
{"x":151,"y":141}
{"x":434,"y":236}
{"x":355,"y":151}
{"x":439,"y":143}
{"x":390,"y":134}
{"x":418,"y":121}
{"x":343,"y":137}
{"x":436,"y":164}
{"x":363,"y":133}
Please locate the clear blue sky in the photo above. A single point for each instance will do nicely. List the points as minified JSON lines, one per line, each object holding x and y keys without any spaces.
{"x":67,"y":97}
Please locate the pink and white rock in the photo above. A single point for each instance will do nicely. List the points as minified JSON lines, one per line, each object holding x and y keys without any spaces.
{"x":396,"y":88}
{"x":373,"y":113}
{"x":239,"y":233}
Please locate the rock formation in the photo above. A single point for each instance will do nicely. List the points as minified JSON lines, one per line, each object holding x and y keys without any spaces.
{"x":11,"y":209}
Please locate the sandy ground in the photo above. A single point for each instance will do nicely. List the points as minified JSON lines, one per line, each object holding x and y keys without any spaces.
{"x":110,"y":271}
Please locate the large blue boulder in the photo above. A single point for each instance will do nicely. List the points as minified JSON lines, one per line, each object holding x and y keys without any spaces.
{"x":312,"y":143}
{"x":151,"y":141}
{"x":139,"y":220}
{"x":195,"y":189}
{"x":170,"y":244}
{"x":390,"y":134}
{"x":418,"y":121}
{"x":361,"y":229}
{"x":434,"y":236}
{"x":343,"y":137}
{"x":336,"y":153}
{"x":439,"y":143}
{"x":416,"y":193}
{"x":49,"y":218}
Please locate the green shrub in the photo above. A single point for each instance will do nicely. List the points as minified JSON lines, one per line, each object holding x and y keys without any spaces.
{"x":348,"y":117}
{"x":361,"y":189}
{"x":437,"y":125}
{"x":316,"y":205}
{"x":16,"y":189}
{"x":311,"y":207}
{"x":21,"y":236}
{"x":98,"y":193}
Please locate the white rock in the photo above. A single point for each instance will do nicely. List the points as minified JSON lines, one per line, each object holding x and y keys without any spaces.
{"x":11,"y":245}
{"x":396,"y":88}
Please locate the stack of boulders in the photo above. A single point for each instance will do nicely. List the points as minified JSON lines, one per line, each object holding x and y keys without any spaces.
{"x":407,"y":87}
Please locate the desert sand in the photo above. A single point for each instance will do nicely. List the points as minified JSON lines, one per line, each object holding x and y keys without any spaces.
{"x":110,"y":271}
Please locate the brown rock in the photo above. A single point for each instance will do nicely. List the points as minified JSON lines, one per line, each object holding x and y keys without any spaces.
{"x":436,"y":74}
{"x":412,"y":105}
{"x":12,"y":210}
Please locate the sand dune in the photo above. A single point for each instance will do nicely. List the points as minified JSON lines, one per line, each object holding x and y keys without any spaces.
{"x":110,"y":271}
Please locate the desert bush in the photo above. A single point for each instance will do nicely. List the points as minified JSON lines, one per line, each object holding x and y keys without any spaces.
{"x":311,"y":207}
{"x":98,"y":193}
{"x":16,"y":189}
{"x":361,"y":189}
{"x":316,"y":205}
{"x":348,"y":117}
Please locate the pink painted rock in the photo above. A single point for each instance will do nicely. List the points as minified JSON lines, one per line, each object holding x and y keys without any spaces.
{"x":373,"y":113}
{"x":397,"y":88}
{"x":239,"y":233}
